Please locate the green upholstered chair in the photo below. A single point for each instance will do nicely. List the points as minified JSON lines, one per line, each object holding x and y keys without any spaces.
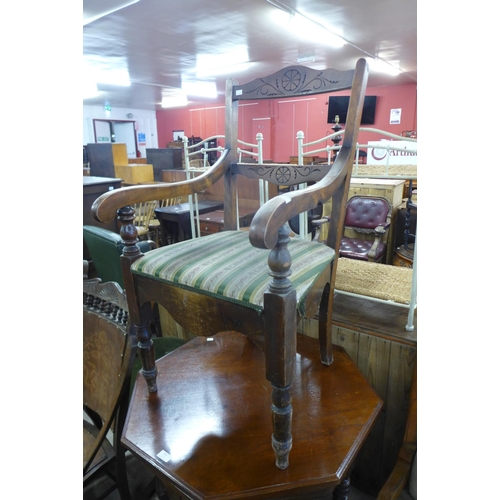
{"x":259,"y":282}
{"x":105,"y":249}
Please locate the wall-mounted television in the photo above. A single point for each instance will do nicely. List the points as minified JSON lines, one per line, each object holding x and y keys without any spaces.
{"x":337,"y":105}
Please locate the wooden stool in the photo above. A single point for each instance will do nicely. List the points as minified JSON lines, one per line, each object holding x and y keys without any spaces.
{"x":206,"y":433}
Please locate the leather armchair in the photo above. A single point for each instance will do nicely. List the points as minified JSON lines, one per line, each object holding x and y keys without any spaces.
{"x":370,"y":217}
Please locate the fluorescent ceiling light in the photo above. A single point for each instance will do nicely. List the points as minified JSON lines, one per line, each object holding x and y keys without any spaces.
{"x":118,"y":77}
{"x":174,"y":101}
{"x":383,"y":67}
{"x":307,"y":28}
{"x":224,"y":70}
{"x":200,"y":89}
{"x":95,"y":9}
{"x":106,"y":70}
{"x":89,"y":89}
{"x":226,"y":62}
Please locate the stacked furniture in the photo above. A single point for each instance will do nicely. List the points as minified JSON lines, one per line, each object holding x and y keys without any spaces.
{"x":111,"y":160}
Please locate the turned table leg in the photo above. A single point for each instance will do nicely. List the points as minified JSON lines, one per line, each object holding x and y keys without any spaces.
{"x":341,"y":492}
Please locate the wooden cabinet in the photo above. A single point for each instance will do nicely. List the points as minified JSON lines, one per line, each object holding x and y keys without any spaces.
{"x":103,"y":157}
{"x":213,"y":222}
{"x":135,"y":174}
{"x":93,"y":187}
{"x":164,"y":159}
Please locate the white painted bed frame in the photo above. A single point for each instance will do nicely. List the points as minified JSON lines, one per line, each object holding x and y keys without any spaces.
{"x":386,"y":175}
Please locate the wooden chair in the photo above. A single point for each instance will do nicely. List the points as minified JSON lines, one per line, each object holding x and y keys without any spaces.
{"x":221,"y":281}
{"x":144,"y":215}
{"x":108,"y":354}
{"x":367,"y":220}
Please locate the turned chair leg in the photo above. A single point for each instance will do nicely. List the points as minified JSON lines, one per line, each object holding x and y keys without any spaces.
{"x":147,"y":357}
{"x":282,"y":425}
{"x":281,"y":346}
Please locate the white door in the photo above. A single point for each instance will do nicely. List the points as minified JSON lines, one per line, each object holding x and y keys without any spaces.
{"x":102,"y":131}
{"x":125,"y":132}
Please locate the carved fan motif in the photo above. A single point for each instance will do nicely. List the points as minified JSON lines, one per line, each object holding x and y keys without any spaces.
{"x":291,"y":80}
{"x":283,"y":174}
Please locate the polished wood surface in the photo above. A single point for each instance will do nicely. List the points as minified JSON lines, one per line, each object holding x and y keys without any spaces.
{"x":374,"y":336}
{"x":211,"y":416}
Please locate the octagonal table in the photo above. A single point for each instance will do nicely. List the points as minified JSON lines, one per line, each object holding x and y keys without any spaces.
{"x":206,"y":433}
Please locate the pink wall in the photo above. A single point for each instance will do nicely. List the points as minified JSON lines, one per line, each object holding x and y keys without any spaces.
{"x":285,"y":117}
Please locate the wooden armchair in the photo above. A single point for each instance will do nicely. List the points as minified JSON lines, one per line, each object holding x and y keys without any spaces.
{"x":221,"y":282}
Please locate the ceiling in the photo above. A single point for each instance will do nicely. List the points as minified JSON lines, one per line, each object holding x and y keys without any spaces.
{"x":159,"y":43}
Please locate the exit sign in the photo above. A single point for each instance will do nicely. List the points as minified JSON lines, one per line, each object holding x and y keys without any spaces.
{"x":103,"y":139}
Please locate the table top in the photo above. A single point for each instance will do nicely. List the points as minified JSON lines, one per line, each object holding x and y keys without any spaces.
{"x":182,"y":208}
{"x":208,"y":428}
{"x":92,"y":180}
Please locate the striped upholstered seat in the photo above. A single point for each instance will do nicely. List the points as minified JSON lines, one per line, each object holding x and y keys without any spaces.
{"x":227,"y":265}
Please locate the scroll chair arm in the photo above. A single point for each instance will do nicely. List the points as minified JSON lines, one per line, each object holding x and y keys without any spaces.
{"x":277,"y":211}
{"x":105,"y":207}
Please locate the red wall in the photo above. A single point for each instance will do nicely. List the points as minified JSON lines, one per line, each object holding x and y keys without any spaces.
{"x":286,"y":118}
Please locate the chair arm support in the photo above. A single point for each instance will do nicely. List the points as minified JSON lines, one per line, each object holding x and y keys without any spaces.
{"x":105,"y":207}
{"x":279,"y":210}
{"x":382,"y":228}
